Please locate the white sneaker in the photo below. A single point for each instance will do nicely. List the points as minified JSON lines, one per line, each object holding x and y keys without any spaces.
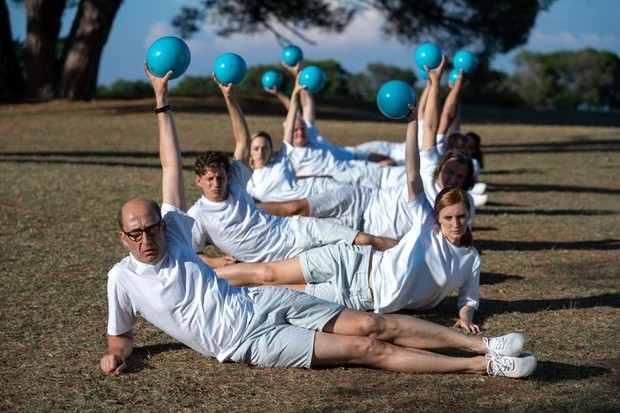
{"x":479,"y":200}
{"x":513,"y":367}
{"x":510,"y":344}
{"x":479,"y":188}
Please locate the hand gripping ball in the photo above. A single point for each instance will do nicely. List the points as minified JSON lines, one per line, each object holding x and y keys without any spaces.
{"x":428,"y":54}
{"x":466,"y":60}
{"x":394,"y":97}
{"x":313,"y":78}
{"x":271,"y":79}
{"x":292,"y":54}
{"x":168,"y":53}
{"x":230,"y":68}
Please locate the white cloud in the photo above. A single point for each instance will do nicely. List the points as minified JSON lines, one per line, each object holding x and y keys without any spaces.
{"x":540,"y":41}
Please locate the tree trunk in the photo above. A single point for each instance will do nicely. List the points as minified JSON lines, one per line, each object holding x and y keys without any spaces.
{"x":12,"y":83}
{"x":89,"y":34}
{"x":44,"y":22}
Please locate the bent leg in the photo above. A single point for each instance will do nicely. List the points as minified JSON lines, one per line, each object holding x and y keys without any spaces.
{"x":335,"y":349}
{"x":403,"y":330}
{"x":286,"y":208}
{"x":268,"y":273}
{"x":378,"y":243}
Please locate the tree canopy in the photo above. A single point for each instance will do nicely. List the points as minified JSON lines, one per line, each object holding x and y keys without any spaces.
{"x":68,"y":68}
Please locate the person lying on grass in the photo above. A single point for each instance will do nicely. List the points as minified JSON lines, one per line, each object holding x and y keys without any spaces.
{"x":165,"y":281}
{"x":433,"y":258}
{"x":227,"y":217}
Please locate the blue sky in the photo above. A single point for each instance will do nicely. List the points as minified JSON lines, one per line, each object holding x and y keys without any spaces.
{"x":568,"y":25}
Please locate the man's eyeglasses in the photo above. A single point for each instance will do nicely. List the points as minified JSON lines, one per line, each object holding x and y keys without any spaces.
{"x":151,"y":231}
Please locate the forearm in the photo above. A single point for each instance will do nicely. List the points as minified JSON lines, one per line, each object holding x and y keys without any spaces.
{"x":121,"y":346}
{"x":466,"y":313}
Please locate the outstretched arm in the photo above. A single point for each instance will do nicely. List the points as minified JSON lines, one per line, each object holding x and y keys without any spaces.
{"x":278,"y":94}
{"x":451,"y":105}
{"x":172,"y":185}
{"x":422,"y":101}
{"x":241,"y":131}
{"x":289,"y":127}
{"x":431,"y":112}
{"x":412,"y":156}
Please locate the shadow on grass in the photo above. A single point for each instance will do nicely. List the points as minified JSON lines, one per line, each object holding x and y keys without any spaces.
{"x":140,"y":355}
{"x":552,"y":188}
{"x":579,"y":144}
{"x":555,"y":212}
{"x":551,"y":371}
{"x":490,"y":278}
{"x":82,"y":158}
{"x":605,"y":244}
{"x":445,"y":313}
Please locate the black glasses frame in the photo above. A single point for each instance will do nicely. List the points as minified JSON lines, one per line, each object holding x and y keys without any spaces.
{"x":151,"y":231}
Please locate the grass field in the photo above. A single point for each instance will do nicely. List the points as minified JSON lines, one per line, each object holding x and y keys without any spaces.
{"x":549,"y":239}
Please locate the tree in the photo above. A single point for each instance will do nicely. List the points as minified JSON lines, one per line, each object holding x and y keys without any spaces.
{"x":57,"y":67}
{"x":489,"y":26}
{"x":365,"y":85}
{"x":68,"y":68}
{"x":568,"y":79}
{"x":12,"y":84}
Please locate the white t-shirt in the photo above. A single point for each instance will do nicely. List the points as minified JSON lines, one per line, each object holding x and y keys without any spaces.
{"x":389,"y":213}
{"x":275,"y":182}
{"x":315,"y":139}
{"x":241,"y":229}
{"x":424,"y":267}
{"x":180,"y":295}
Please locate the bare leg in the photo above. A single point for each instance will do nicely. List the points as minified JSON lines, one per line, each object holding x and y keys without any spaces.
{"x":268,"y":273}
{"x":333,"y":349}
{"x":403,"y":330}
{"x":286,"y":208}
{"x":379,"y":243}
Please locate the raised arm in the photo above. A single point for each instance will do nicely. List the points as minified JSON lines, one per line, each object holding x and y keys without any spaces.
{"x":172,"y":184}
{"x":308,"y":106}
{"x":451,"y":106}
{"x":289,"y":127}
{"x":422,"y":100}
{"x":431,"y":112}
{"x":241,"y":131}
{"x":286,"y":102}
{"x":412,"y":156}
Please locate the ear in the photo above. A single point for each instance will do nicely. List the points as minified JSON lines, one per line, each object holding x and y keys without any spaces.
{"x":123,"y":239}
{"x":197,"y":180}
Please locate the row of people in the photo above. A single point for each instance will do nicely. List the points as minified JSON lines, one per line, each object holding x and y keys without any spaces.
{"x":165,"y":281}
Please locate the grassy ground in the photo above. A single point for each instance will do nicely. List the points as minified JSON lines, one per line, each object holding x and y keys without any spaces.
{"x":549,"y":240}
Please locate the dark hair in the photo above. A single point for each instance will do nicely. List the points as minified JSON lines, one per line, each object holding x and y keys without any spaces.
{"x":455,"y":140}
{"x":150,"y":204}
{"x":462,"y":158}
{"x":211,"y":160}
{"x":264,"y":135}
{"x":453,"y":196}
{"x":477,"y":151}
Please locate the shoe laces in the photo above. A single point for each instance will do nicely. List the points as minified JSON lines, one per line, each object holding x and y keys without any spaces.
{"x":499,"y":365}
{"x":498,"y":344}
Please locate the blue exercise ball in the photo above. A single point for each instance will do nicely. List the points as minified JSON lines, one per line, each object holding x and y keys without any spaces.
{"x":394,"y":98}
{"x":466,"y":60}
{"x":428,"y":54}
{"x":271,"y":79}
{"x":422,"y":74}
{"x":292,"y":54}
{"x":454,"y":75}
{"x":230,"y":68}
{"x":313,"y":78}
{"x":168,"y":53}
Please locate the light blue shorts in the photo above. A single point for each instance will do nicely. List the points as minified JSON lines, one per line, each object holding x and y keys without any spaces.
{"x":339,"y":273}
{"x":281,"y":334}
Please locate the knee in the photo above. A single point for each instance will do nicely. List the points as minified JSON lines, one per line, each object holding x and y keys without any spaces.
{"x":372,"y":325}
{"x":265,"y":275}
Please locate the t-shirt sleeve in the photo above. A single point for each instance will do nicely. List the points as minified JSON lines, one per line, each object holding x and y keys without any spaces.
{"x":240,"y":174}
{"x":469,"y":293}
{"x":178,"y":224}
{"x":121,"y":313}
